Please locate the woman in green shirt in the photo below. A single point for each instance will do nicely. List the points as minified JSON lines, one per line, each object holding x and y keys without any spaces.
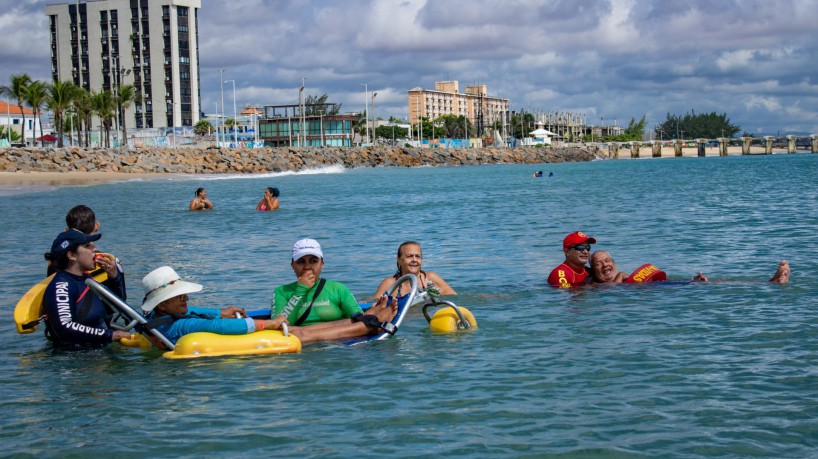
{"x":320,"y":309}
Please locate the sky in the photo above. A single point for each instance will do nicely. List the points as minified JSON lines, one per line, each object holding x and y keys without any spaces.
{"x":611,"y":60}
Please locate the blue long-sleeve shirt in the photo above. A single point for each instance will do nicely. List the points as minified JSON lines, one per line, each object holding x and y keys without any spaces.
{"x":212,"y":323}
{"x":74,"y":314}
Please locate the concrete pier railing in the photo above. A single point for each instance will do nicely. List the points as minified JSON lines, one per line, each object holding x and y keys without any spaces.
{"x":713,"y":147}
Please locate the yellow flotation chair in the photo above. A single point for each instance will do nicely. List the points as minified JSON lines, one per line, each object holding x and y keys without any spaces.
{"x":449,"y":318}
{"x":194,"y":345}
{"x":29,"y":310}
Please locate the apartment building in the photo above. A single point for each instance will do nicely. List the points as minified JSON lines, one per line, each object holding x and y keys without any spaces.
{"x":151,"y":44}
{"x":482,"y":110}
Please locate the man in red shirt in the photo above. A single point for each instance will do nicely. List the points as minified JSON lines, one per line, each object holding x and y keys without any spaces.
{"x":573,"y":272}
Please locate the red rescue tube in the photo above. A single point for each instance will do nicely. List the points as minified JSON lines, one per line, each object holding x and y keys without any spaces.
{"x":646,"y":273}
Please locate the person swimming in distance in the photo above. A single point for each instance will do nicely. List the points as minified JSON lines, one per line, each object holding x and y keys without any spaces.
{"x":538,"y":174}
{"x":410,"y":261}
{"x":200,"y":201}
{"x":270,"y":199}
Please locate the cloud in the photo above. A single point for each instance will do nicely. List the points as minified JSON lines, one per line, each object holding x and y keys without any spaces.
{"x":754,"y":60}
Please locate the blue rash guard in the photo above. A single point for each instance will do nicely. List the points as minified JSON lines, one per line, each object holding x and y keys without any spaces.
{"x":74,"y":314}
{"x":182,"y":325}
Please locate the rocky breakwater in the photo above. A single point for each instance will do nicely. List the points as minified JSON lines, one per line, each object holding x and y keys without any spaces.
{"x":231,"y":161}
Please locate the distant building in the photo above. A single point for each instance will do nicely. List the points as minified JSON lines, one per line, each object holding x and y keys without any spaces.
{"x":154,"y":46}
{"x":11,"y":116}
{"x":482,"y":110}
{"x":280,"y":126}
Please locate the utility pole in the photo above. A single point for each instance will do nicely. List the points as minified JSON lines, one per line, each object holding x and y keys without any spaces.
{"x":366,"y":109}
{"x":221,"y":119}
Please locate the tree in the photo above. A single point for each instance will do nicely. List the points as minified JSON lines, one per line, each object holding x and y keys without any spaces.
{"x":391,"y":132}
{"x":127,"y":95}
{"x":316,"y":109}
{"x":693,"y":126}
{"x":82,"y":102}
{"x":8,"y":132}
{"x":35,"y":98}
{"x":104,"y":105}
{"x":453,"y":126}
{"x":521,"y":124}
{"x":60,"y":95}
{"x":202,"y":128}
{"x":17,"y":90}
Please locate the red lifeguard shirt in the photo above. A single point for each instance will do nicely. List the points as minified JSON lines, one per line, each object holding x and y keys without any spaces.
{"x":564,"y":276}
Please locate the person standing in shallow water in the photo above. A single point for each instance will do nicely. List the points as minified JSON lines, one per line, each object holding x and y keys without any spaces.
{"x":270,"y":199}
{"x":200,"y":201}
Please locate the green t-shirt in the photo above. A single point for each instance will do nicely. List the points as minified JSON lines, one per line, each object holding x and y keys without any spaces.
{"x":335,"y":302}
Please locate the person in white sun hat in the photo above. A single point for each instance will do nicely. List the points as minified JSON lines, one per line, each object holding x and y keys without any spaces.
{"x":165,"y":304}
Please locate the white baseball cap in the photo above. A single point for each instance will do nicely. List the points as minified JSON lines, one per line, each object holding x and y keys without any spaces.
{"x":307,"y":247}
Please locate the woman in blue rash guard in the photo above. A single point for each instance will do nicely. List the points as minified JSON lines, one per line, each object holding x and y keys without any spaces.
{"x":75,"y":316}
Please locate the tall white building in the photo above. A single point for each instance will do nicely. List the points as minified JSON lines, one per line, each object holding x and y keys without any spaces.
{"x":150,"y":44}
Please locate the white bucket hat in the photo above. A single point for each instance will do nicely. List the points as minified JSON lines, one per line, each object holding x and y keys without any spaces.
{"x":162,"y":284}
{"x":306,"y":247}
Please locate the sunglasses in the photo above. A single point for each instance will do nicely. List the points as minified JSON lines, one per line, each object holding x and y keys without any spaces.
{"x":580,"y":248}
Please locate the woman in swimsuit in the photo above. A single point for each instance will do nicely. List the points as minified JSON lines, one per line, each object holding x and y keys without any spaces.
{"x":270,"y":199}
{"x":200,"y":201}
{"x":410,"y":258}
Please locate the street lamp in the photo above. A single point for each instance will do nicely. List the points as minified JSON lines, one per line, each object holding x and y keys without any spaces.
{"x":366,"y":109}
{"x":235,"y":115}
{"x":374,"y":128}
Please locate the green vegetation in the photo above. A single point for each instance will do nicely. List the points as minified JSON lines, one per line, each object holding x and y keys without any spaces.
{"x":693,"y":126}
{"x":202,"y":128}
{"x":315,"y":111}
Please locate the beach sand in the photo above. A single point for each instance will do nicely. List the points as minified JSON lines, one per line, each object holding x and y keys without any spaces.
{"x":69,"y":178}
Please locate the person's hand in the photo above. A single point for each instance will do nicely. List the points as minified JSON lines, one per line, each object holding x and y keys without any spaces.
{"x":275,"y":322}
{"x":107,"y":262}
{"x":118,"y":335}
{"x":307,"y":278}
{"x":701,"y":278}
{"x":231,"y":311}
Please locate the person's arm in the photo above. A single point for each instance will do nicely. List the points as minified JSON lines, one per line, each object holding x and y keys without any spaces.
{"x":385,"y":284}
{"x":209,"y":203}
{"x":258,"y":206}
{"x":273,"y":204}
{"x":196,"y":204}
{"x":440,"y":284}
{"x":619,"y":278}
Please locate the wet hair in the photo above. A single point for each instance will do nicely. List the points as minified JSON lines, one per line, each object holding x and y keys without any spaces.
{"x":399,"y":273}
{"x":273,"y":191}
{"x":199,"y":190}
{"x":81,"y":218}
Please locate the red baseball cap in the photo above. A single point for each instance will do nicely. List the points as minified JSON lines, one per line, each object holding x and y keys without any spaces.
{"x":577,"y":237}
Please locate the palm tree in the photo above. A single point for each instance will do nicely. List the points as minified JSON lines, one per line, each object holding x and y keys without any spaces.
{"x":202,"y":127}
{"x":104,"y":105}
{"x":17,"y":90}
{"x":60,"y":95}
{"x":127,"y":95}
{"x":82,"y":102}
{"x":35,"y":98}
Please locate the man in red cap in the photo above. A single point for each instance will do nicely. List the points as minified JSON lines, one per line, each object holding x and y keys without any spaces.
{"x":573,"y":272}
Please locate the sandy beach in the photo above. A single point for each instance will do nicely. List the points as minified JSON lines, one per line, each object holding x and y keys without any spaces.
{"x":69,"y":178}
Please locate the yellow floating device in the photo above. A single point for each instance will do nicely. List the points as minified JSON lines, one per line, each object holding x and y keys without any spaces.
{"x":205,"y":344}
{"x":446,"y":320}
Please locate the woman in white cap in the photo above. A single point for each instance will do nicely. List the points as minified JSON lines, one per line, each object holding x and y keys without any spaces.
{"x":74,"y":315}
{"x":326,"y":309}
{"x":165,"y":305}
{"x":410,"y":259}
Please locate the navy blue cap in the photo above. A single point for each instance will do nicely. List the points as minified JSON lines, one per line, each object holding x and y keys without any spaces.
{"x":70,"y":240}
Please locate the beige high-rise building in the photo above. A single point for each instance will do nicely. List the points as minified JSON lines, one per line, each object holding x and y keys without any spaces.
{"x":482,"y":110}
{"x":150,"y":44}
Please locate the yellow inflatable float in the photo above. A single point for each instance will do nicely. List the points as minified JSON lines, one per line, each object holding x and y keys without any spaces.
{"x":29,"y":310}
{"x":194,"y":345}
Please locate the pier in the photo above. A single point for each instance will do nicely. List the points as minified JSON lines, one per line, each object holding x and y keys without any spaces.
{"x":709,"y":147}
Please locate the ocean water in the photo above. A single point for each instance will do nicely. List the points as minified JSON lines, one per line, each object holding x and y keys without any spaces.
{"x":720,"y":369}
